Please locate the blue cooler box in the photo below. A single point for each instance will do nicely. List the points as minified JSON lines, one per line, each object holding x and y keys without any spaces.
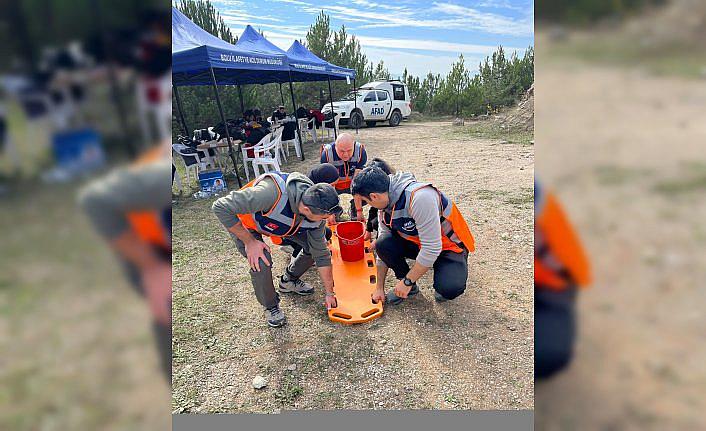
{"x":212,"y":181}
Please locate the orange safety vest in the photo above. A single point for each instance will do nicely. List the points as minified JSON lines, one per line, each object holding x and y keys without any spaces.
{"x":455,"y":233}
{"x":280,"y":221}
{"x":559,"y":259}
{"x":345,"y":169}
{"x":152,"y":226}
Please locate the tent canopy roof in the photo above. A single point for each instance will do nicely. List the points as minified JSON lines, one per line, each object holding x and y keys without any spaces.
{"x":252,"y":60}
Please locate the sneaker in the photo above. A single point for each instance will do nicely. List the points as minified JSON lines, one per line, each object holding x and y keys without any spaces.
{"x":295,"y":286}
{"x":275,"y":317}
{"x":439,"y":298}
{"x":393,"y":299}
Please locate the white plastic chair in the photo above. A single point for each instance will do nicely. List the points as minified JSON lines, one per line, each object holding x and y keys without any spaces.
{"x":265,"y":140}
{"x":277,"y":137}
{"x":304,"y":127}
{"x":266,"y":155}
{"x":200,"y":164}
{"x":295,"y":141}
{"x":329,"y":130}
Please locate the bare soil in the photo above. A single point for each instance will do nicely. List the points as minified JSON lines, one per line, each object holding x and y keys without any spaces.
{"x":472,"y":353}
{"x":624,"y":149}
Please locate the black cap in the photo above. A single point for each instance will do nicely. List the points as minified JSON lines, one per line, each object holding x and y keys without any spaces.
{"x":323,"y":173}
{"x":322,"y":199}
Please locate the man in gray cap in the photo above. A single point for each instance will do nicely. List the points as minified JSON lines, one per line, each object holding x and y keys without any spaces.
{"x":288,"y":208}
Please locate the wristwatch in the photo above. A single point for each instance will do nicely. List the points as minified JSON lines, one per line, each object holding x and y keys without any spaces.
{"x":408,"y":282}
{"x":330,"y":294}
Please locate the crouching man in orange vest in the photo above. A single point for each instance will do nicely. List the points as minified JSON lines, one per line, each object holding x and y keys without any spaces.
{"x":416,"y":221}
{"x":560,"y":269}
{"x":290,"y":210}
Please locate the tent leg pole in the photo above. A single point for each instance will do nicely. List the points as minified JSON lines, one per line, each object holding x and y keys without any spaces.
{"x":240,"y":95}
{"x":330,"y":98}
{"x":299,"y":133}
{"x":280,"y":93}
{"x":180,"y":110}
{"x":355,"y":103}
{"x":223,"y":118}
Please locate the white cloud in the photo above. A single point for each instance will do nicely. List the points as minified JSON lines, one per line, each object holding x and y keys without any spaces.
{"x":449,"y":16}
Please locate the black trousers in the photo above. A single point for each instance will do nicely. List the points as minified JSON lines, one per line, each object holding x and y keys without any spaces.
{"x":554,"y":330}
{"x":450,"y":268}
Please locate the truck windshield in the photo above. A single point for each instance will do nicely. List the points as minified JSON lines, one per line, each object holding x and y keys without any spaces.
{"x":351,"y":96}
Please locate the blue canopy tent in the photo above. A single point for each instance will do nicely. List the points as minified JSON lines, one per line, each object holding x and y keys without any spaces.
{"x":199,"y":58}
{"x":303,"y":65}
{"x":196,"y":53}
{"x":307,"y":66}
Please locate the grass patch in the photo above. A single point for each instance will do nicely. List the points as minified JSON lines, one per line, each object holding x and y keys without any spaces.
{"x":620,"y":50}
{"x":692,"y":180}
{"x":485,"y":194}
{"x":289,"y":390}
{"x":611,"y":175}
{"x":491,"y":130}
{"x":524,"y":197}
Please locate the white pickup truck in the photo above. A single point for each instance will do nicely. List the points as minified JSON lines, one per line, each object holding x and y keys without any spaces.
{"x":379,"y":101}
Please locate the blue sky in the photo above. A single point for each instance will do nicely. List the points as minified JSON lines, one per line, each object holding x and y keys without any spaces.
{"x":423,"y":36}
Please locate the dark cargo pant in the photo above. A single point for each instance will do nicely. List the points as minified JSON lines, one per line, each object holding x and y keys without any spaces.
{"x":262,"y":280}
{"x":554,"y":330}
{"x":450,"y":269}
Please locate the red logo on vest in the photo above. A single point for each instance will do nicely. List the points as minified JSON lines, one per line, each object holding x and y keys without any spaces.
{"x":271,"y":226}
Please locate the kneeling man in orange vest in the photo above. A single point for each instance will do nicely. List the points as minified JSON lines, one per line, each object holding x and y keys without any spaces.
{"x":416,"y":221}
{"x":291,"y":210}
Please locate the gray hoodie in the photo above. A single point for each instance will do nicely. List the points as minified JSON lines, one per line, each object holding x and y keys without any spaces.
{"x":425,"y":213}
{"x":262,"y":197}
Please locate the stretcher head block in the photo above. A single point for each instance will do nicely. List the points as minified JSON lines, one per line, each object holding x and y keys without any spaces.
{"x":354,"y":283}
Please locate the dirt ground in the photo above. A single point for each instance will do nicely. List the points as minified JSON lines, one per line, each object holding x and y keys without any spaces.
{"x":77,"y":349}
{"x":624,"y":149}
{"x":473,"y":353}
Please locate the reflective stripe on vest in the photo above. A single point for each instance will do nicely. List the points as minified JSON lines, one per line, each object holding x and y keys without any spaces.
{"x":559,"y":259}
{"x":280,"y":221}
{"x":455,"y":234}
{"x":345,"y":169}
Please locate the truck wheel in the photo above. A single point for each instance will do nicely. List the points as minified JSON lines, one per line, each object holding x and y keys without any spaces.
{"x":370,"y":123}
{"x":356,"y":120}
{"x":395,"y":119}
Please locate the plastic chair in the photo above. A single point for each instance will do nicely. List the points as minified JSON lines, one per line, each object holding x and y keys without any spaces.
{"x":266,"y":155}
{"x":304,"y":127}
{"x":265,"y":140}
{"x":200,"y":164}
{"x":277,"y":137}
{"x":329,"y":130}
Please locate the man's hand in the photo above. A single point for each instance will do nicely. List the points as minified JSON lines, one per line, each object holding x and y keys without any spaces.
{"x":332,"y":220}
{"x":378,"y":295}
{"x":367,"y":236}
{"x":372,"y":246}
{"x":255,"y":250}
{"x":359,"y":215}
{"x":401,"y":289}
{"x":157,"y":282}
{"x":330,"y":302}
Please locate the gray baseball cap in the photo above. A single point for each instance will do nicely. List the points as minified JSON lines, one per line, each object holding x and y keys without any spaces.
{"x":322,"y":199}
